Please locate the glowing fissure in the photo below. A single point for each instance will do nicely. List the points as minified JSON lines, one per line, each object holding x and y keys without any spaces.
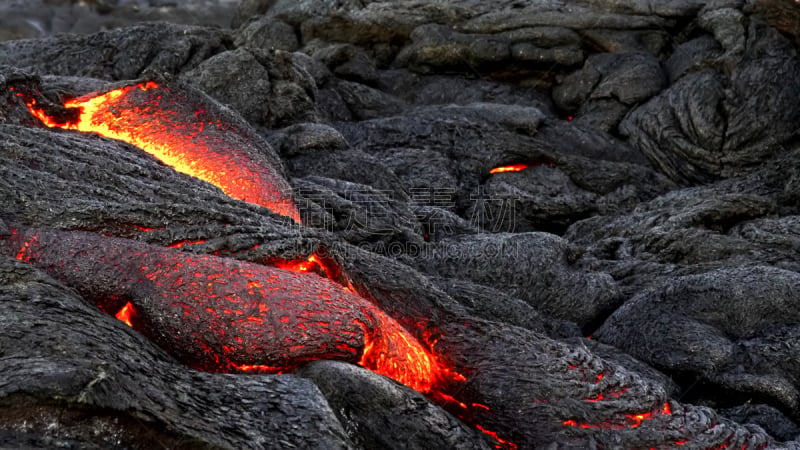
{"x":632,"y":420}
{"x":512,"y":168}
{"x":503,"y":442}
{"x":467,"y":412}
{"x":183,"y":135}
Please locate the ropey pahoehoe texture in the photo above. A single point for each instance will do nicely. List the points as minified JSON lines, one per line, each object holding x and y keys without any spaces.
{"x":628,"y":281}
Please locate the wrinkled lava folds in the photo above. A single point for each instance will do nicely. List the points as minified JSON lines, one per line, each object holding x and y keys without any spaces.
{"x":222,"y":314}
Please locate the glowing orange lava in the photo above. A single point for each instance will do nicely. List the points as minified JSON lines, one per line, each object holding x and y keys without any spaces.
{"x":301,"y":265}
{"x":393,"y":352}
{"x":184,"y":135}
{"x":389,"y":349}
{"x":125,"y":314}
{"x":225,"y":315}
{"x":514,"y":168}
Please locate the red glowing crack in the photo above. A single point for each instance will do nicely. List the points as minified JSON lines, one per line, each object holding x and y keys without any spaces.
{"x":183,"y":134}
{"x":632,"y":420}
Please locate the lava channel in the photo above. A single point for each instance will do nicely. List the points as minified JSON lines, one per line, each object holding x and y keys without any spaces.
{"x":185,"y":132}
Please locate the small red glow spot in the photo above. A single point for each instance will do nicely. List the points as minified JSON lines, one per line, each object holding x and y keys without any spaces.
{"x":514,"y":168}
{"x":599,"y":378}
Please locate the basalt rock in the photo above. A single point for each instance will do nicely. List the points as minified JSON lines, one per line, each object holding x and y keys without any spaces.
{"x":37,"y":18}
{"x":668,"y":325}
{"x":406,"y":420}
{"x":265,"y":87}
{"x":584,"y":213}
{"x":601,"y":93}
{"x":117,"y":54}
{"x":723,"y":119}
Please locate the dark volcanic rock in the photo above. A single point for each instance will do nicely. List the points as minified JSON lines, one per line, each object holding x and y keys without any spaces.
{"x":735,"y":329}
{"x":767,"y":417}
{"x":117,"y":54}
{"x":722,"y":121}
{"x":265,"y":87}
{"x":532,"y":266}
{"x":419,"y":89}
{"x":21,"y":19}
{"x":503,"y":179}
{"x":127,"y":208}
{"x":267,"y":33}
{"x":439,"y":47}
{"x":601,"y":93}
{"x":407,"y":420}
{"x":348,"y":62}
{"x":574,"y":172}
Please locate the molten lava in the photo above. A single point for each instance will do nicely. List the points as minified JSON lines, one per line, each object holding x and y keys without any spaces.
{"x":221,"y":314}
{"x":513,"y":168}
{"x":183,"y":134}
{"x":125,"y":314}
{"x":503,"y":443}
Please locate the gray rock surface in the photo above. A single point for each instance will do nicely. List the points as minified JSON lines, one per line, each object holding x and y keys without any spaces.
{"x":265,"y":86}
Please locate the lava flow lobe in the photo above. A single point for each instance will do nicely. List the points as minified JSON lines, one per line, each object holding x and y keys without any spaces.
{"x":186,"y":132}
{"x":221,"y":314}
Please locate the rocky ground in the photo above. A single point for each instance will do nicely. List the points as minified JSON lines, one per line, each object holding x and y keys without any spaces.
{"x":634,"y":286}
